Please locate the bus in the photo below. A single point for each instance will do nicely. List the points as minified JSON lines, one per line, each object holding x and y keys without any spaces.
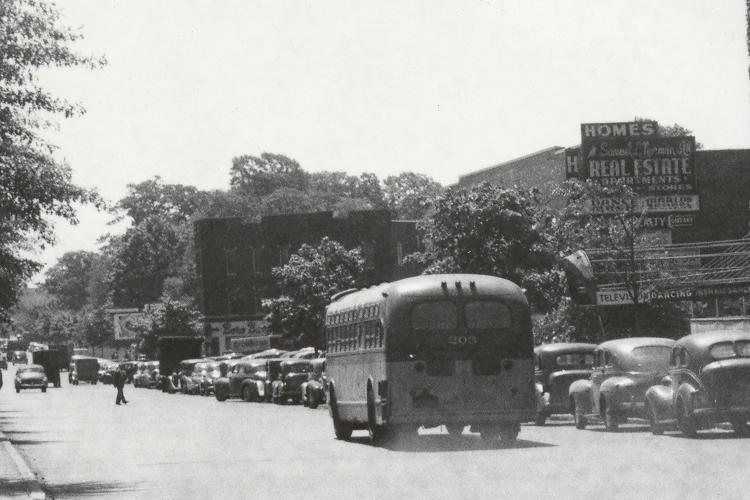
{"x":445,"y":349}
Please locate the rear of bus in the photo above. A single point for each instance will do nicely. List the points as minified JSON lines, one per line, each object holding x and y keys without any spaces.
{"x":459,"y":352}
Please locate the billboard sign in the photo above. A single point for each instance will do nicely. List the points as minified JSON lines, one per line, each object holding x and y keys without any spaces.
{"x":126,"y":323}
{"x":661,"y":204}
{"x":620,"y":296}
{"x":645,"y":128}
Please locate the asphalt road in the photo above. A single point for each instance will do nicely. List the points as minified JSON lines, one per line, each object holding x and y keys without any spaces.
{"x":79,"y":443}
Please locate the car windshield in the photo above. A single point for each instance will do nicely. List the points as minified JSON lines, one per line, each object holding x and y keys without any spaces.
{"x":31,"y":369}
{"x":575,"y":360}
{"x":652,"y":358}
{"x":299,"y":368}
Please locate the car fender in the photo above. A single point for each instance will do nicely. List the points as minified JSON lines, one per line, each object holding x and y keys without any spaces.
{"x":541,"y":400}
{"x":614,"y":390}
{"x":685,"y":392}
{"x":659,"y":398}
{"x":249,"y":383}
{"x":580,"y":391}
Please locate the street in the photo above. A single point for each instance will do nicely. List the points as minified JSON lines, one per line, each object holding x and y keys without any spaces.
{"x":79,"y":443}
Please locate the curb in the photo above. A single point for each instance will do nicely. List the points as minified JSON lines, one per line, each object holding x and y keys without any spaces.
{"x":25,"y":475}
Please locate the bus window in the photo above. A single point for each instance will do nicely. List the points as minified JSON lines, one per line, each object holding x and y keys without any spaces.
{"x":434,"y":315}
{"x":485,"y":315}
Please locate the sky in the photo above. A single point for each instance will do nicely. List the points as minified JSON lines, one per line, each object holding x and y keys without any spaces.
{"x":437,"y":87}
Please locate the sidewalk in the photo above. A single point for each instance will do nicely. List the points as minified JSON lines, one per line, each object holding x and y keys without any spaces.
{"x":16,"y":479}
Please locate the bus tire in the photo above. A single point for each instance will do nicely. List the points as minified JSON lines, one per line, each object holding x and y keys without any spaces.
{"x":378,"y":433}
{"x":247,"y":395}
{"x":455,"y":430}
{"x":509,"y":433}
{"x":343,"y":430}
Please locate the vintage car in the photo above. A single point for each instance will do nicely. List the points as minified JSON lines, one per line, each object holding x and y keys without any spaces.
{"x":273,"y":373}
{"x":246,"y":380}
{"x":267,"y":354}
{"x":293,"y":372}
{"x":624,"y":369}
{"x":31,"y":377}
{"x":313,"y":389}
{"x":192,"y":373}
{"x":708,"y":384}
{"x":18,"y":357}
{"x":211,"y":374}
{"x":150,"y":377}
{"x":107,"y":367}
{"x":558,"y":366}
{"x":83,"y":369}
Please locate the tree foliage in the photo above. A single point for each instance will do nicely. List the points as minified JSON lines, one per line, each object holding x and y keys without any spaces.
{"x":152,"y":198}
{"x":410,"y":195}
{"x":33,"y":184}
{"x":171,"y":318}
{"x":487,"y":229}
{"x":68,"y":280}
{"x":306,"y":284}
{"x":261,"y":176}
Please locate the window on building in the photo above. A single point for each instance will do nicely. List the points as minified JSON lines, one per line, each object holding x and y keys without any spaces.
{"x":399,"y":253}
{"x":284,"y":254}
{"x":251,"y":255}
{"x":230,"y":256}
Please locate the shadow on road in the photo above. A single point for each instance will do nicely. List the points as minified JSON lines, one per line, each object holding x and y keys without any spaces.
{"x":93,"y":488}
{"x":12,"y":488}
{"x":433,"y":443}
{"x":29,"y":442}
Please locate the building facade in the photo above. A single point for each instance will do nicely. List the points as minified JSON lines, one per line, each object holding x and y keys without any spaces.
{"x":234,"y":259}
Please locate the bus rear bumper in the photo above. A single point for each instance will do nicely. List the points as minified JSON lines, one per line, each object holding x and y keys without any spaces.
{"x":466,"y":418}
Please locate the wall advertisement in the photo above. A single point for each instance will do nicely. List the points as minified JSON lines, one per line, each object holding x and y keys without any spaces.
{"x":620,"y":297}
{"x":125,"y":322}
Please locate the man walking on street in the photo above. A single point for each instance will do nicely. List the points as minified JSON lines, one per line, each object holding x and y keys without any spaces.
{"x":119,"y":382}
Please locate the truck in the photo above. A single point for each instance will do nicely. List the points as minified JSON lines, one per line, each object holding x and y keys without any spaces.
{"x":50,"y":361}
{"x":170,"y":351}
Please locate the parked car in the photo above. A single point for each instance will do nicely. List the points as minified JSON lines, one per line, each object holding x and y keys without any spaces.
{"x":246,"y":380}
{"x":130,"y":368}
{"x":267,"y":354}
{"x":83,"y":368}
{"x":624,"y":369}
{"x":186,"y":373}
{"x":313,"y":390}
{"x":558,"y":366}
{"x":151,"y":375}
{"x":288,"y":386}
{"x":19,"y":357}
{"x":31,"y":377}
{"x":273,"y":373}
{"x":105,"y":375}
{"x":138,"y":376}
{"x":211,"y":373}
{"x":708,"y":384}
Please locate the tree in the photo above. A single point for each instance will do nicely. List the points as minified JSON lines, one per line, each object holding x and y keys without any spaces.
{"x":68,"y":279}
{"x":171,"y":318}
{"x":261,"y":176}
{"x":622,"y":253}
{"x":146,"y":255}
{"x":306,"y":284}
{"x":176,"y":202}
{"x":409,"y":195}
{"x":98,"y":328}
{"x":487,"y":229}
{"x":32,"y":183}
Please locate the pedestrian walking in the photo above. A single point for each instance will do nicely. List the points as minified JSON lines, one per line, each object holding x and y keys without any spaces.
{"x":119,"y":382}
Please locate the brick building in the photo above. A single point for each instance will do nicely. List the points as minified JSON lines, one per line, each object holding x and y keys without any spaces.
{"x":234,"y":258}
{"x":723,"y":179}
